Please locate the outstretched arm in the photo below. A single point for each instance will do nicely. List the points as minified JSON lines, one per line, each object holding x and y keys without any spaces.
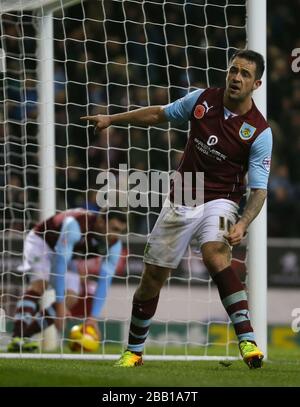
{"x":178,"y":111}
{"x":145,"y":116}
{"x":70,"y":234}
{"x":106,"y":273}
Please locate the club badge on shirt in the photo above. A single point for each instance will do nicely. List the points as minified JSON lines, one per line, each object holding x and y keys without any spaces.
{"x":246,"y":131}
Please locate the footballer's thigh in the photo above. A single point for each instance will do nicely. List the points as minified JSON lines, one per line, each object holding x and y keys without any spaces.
{"x":37,"y":262}
{"x":170,"y":237}
{"x":167,"y":244}
{"x":218,"y":217}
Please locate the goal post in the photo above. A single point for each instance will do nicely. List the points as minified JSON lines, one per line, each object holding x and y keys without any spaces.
{"x":46,"y":121}
{"x":46,"y":117}
{"x":257,"y":244}
{"x":138,"y":68}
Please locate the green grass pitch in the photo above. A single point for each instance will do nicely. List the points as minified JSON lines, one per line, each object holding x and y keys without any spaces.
{"x":282,"y":369}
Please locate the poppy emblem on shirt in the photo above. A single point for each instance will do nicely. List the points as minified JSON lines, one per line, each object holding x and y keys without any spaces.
{"x":246,"y":131}
{"x":199,"y":111}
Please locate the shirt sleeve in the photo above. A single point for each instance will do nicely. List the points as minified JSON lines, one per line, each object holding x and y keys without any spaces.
{"x":180,"y":110}
{"x":260,"y":160}
{"x":106,"y":273}
{"x":70,"y":234}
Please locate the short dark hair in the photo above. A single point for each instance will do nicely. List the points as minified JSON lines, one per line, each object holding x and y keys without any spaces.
{"x":251,"y":56}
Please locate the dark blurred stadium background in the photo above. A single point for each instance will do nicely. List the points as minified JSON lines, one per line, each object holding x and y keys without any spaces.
{"x":108,"y":85}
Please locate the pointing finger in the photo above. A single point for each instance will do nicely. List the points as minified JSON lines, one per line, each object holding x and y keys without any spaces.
{"x":90,"y":118}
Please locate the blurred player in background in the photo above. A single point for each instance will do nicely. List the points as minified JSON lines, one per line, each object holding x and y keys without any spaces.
{"x":229,"y":137}
{"x":88,"y":282}
{"x":48,"y":249}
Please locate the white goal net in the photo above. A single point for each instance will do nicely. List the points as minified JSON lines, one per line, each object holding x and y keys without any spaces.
{"x":109,"y":56}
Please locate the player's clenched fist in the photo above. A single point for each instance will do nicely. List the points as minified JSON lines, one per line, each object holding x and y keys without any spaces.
{"x":236,"y":234}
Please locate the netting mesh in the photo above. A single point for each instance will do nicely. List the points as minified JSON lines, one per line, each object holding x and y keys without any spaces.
{"x":111,"y":57}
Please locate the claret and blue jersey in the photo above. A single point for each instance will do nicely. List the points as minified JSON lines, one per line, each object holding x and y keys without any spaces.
{"x":223,"y":145}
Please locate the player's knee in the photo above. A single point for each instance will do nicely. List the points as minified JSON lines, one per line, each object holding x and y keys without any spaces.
{"x":39,"y":286}
{"x":71,"y":299}
{"x":216,"y":264}
{"x":216,"y":258}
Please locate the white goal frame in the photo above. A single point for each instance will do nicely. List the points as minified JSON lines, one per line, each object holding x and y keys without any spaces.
{"x":257,"y":244}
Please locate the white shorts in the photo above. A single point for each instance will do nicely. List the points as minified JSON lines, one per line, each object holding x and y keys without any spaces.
{"x":37,"y":258}
{"x":176,"y":226}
